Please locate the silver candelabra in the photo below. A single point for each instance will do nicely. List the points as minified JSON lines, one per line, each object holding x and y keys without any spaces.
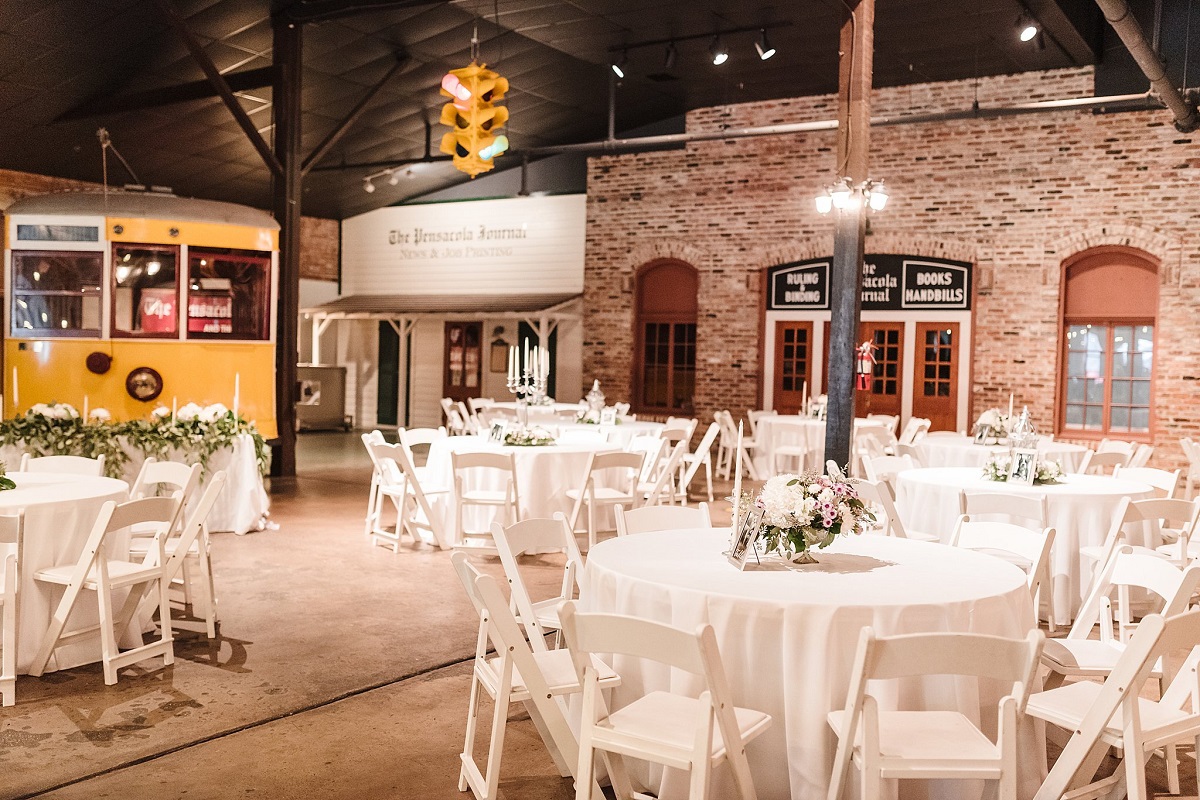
{"x":528,"y":383}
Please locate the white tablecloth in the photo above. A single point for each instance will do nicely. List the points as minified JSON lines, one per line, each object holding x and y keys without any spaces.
{"x":789,"y":429}
{"x":1080,"y":509}
{"x":243,"y":505}
{"x":961,"y":451}
{"x":544,"y":474}
{"x":788,"y":636}
{"x":618,"y":435}
{"x":59,"y":513}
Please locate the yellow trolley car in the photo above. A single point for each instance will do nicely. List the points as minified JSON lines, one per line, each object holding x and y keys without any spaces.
{"x":130,"y":300}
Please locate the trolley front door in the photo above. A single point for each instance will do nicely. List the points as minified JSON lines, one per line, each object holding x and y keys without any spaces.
{"x":793,"y":365}
{"x":935,"y":381}
{"x":464,"y":356}
{"x":882,"y":395}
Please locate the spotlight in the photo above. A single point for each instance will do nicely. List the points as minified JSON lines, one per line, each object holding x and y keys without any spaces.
{"x":669,"y":61}
{"x":718,"y":51}
{"x":618,"y":66}
{"x":393,"y":177}
{"x":1027,"y":27}
{"x":368,"y":187}
{"x":763,"y":47}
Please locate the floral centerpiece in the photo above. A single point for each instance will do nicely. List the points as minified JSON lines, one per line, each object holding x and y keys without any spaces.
{"x":999,"y":465}
{"x":590,"y":416}
{"x":806,"y":511}
{"x":529,"y":437}
{"x":1000,"y":424}
{"x":5,"y":481}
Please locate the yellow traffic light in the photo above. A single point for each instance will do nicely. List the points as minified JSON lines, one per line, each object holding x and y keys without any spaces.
{"x":472,"y":117}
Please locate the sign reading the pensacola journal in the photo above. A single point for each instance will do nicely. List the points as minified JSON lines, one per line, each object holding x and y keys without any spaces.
{"x":889,"y":283}
{"x":524,"y":244}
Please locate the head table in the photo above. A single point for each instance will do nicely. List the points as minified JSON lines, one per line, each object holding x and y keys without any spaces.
{"x":59,"y":513}
{"x":1080,"y":509}
{"x":788,"y":636}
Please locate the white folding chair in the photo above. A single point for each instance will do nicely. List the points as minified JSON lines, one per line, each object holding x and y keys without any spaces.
{"x":617,"y":473}
{"x":455,"y":424}
{"x":1141,"y":456}
{"x":1116,"y":714}
{"x":535,"y":536}
{"x":654,"y":449}
{"x":516,"y":674}
{"x":729,"y":445}
{"x":886,"y":468}
{"x":373,"y":496}
{"x":932,"y":744}
{"x":63,"y":465}
{"x":96,"y":572}
{"x":1025,"y":548}
{"x":1178,"y":526}
{"x":593,"y":435}
{"x":470,"y":420}
{"x":1163,"y":482}
{"x":12,"y":544}
{"x":687,"y":733}
{"x":1191,"y":454}
{"x":752,"y":418}
{"x":472,"y":472}
{"x":414,"y":513}
{"x":1116,"y":446}
{"x":662,"y":488}
{"x":700,"y":457}
{"x":914,"y":431}
{"x":878,"y":495}
{"x":1097,"y":463}
{"x":661,"y":518}
{"x":889,"y":422}
{"x":1142,"y":515}
{"x":910,"y":450}
{"x":1080,"y":655}
{"x":1027,"y":511}
{"x":419,"y":437}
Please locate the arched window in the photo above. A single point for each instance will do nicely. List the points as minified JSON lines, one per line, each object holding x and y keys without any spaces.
{"x":1109,"y":308}
{"x":664,"y":377}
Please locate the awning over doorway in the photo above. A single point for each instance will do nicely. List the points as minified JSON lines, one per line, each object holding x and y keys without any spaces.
{"x":448,"y":306}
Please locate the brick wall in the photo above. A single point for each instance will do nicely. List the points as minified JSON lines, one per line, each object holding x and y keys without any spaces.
{"x":319,"y":238}
{"x":1016,"y":195}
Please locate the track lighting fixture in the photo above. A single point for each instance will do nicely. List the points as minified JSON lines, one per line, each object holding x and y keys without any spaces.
{"x":618,"y":67}
{"x":368,"y":186}
{"x":393,"y":177}
{"x":718,"y":51}
{"x":1027,"y":27}
{"x":763,"y":47}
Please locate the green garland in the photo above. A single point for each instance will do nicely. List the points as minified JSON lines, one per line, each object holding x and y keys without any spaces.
{"x":42,"y":435}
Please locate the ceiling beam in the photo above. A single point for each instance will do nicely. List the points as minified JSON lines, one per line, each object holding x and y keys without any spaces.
{"x":306,"y":11}
{"x":336,"y":134}
{"x":1070,"y":34}
{"x":220,"y":84}
{"x":153,"y":98}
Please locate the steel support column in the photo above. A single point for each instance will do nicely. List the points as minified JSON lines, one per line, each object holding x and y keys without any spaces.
{"x":286,"y":205}
{"x":854,"y":129}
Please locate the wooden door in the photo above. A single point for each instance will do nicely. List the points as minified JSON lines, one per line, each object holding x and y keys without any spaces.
{"x":882,"y":396}
{"x":464,"y":358}
{"x":935,"y":377}
{"x":793,"y":365}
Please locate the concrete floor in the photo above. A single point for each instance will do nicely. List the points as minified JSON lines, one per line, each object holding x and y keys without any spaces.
{"x":341,"y":671}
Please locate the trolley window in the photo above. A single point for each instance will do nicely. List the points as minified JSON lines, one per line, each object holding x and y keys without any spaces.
{"x":145,"y":291}
{"x":229,"y":294}
{"x":56,"y":294}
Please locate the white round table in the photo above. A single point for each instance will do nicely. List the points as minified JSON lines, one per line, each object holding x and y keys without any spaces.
{"x":544,"y":474}
{"x":619,"y":435}
{"x":1080,"y":509}
{"x":961,"y":451}
{"x":59,"y":513}
{"x":788,"y":635}
{"x":774,"y":430}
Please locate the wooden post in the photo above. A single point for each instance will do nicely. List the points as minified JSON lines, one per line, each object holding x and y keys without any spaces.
{"x":286,"y":205}
{"x":853,"y":143}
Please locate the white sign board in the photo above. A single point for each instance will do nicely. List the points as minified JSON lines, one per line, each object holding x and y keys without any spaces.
{"x":511,"y":246}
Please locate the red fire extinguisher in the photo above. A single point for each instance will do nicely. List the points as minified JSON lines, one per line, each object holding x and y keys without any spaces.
{"x":864,"y":364}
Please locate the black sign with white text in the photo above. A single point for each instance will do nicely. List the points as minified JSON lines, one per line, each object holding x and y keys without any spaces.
{"x":889,"y":283}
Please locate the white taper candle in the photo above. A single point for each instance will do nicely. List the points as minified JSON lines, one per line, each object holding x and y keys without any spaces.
{"x":237,"y":392}
{"x":16,"y":394}
{"x":737,"y":481}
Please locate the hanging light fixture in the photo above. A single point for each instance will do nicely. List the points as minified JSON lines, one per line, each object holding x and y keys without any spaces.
{"x":1027,"y":27}
{"x":368,"y":186}
{"x":824,"y":202}
{"x":876,"y":194}
{"x":763,"y":47}
{"x":718,"y":51}
{"x":669,"y":60}
{"x":845,"y":194}
{"x":618,"y":67}
{"x":840,"y":193}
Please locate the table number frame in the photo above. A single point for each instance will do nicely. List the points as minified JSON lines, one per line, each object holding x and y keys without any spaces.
{"x":747,"y":534}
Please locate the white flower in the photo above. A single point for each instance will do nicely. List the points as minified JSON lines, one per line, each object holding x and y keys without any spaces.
{"x":189,"y":412}
{"x":213,"y":413}
{"x":162,"y":412}
{"x":100,"y":415}
{"x":40,"y":410}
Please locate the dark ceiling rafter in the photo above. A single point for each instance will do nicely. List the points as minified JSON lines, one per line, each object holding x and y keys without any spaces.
{"x":220,"y":84}
{"x":245,"y":81}
{"x":309,"y":11}
{"x":708,"y":34}
{"x":1062,"y":31}
{"x":336,"y":134}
